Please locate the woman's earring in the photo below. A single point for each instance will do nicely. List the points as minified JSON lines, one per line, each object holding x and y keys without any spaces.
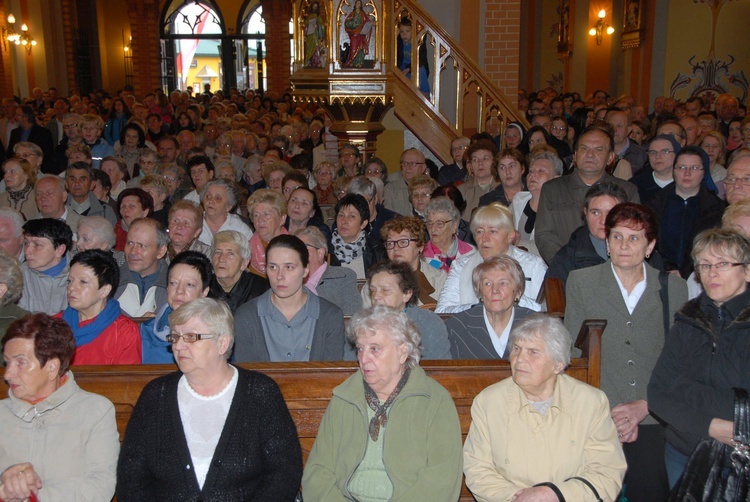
{"x":648,"y":256}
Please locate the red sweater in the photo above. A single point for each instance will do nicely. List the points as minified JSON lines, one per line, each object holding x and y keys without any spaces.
{"x":119,"y":343}
{"x":121,"y":236}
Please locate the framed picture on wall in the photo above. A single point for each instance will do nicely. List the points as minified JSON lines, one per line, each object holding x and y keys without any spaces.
{"x":563,"y":30}
{"x":632,"y":25}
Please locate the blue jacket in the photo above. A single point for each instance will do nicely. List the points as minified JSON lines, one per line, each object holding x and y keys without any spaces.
{"x":157,"y":350}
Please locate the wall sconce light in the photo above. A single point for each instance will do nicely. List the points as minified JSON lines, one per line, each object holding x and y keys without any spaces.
{"x":128,"y":48}
{"x":11,"y":35}
{"x":600,"y":27}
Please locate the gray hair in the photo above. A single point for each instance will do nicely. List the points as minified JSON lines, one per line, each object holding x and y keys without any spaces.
{"x":231,"y":196}
{"x":60,"y":181}
{"x":502,"y":263}
{"x":550,"y":330}
{"x":252,"y":161}
{"x":362,"y":185}
{"x":443,"y":205}
{"x":379,"y":187}
{"x":495,"y":215}
{"x":315,"y":235}
{"x":232,"y":237}
{"x":213,"y":313}
{"x":101,"y":227}
{"x":381,"y":165}
{"x":10,"y":275}
{"x":35,"y":149}
{"x":605,"y":189}
{"x":393,"y":322}
{"x":542,"y":154}
{"x":162,"y":237}
{"x":15,"y":218}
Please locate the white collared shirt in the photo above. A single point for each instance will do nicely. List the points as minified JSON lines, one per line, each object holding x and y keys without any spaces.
{"x":499,"y":342}
{"x":632,"y":299}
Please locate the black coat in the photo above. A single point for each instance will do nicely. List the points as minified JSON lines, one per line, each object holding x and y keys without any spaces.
{"x":258,"y":456}
{"x":38,"y":135}
{"x":705,"y":355}
{"x":578,"y":253}
{"x":248,"y":286}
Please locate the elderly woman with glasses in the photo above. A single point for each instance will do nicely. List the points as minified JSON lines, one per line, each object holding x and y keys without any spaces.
{"x":493,"y":232}
{"x":541,"y":435}
{"x":59,"y":442}
{"x":705,"y":355}
{"x":420,"y":192}
{"x":325,"y":174}
{"x":444,"y":246}
{"x":390,"y":432}
{"x":404,"y":240}
{"x":482,"y":331}
{"x":209,"y":431}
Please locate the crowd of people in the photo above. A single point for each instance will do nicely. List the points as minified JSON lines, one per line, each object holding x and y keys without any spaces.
{"x":220,"y":228}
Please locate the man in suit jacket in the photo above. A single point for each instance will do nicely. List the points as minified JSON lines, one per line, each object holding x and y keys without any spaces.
{"x":8,"y":122}
{"x":55,"y":125}
{"x":30,"y":131}
{"x":561,"y":202}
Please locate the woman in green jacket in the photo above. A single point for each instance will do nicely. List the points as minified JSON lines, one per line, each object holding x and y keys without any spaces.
{"x":390,"y":432}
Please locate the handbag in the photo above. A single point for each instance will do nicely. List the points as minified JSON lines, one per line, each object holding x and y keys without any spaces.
{"x":716,"y":471}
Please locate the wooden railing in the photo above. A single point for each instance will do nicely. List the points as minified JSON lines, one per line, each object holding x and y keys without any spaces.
{"x":463,"y":98}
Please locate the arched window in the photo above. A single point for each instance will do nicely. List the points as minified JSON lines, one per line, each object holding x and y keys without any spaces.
{"x":253,"y":30}
{"x":191,"y":33}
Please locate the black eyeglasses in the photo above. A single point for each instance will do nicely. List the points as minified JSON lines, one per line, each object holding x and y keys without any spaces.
{"x":188,"y":337}
{"x":402,"y":243}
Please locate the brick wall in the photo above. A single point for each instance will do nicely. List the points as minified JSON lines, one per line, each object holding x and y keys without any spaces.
{"x":144,"y":26}
{"x":503,"y":44}
{"x":277,"y":15}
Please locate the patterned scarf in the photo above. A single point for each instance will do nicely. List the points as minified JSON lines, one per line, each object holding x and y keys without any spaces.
{"x":381,"y":410}
{"x":172,"y":252}
{"x":348,"y":252}
{"x":18,"y":195}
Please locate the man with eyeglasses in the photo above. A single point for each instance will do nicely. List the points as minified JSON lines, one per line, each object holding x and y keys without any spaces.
{"x":396,"y":192}
{"x":451,"y":173}
{"x":685,"y":208}
{"x":737,"y":181}
{"x":71,"y":125}
{"x":55,"y":125}
{"x":30,"y":131}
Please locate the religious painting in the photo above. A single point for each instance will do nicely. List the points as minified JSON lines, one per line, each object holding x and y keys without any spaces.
{"x":632,"y":32}
{"x":314,"y":27}
{"x":563,"y":29}
{"x":357,"y":26}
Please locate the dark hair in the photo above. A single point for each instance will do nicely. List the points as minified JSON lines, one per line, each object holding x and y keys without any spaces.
{"x":578,"y":120}
{"x":171,"y":138}
{"x":407,"y":279}
{"x":125,"y":109}
{"x":29,"y":113}
{"x":453,"y":193}
{"x":635,"y":217}
{"x":598,"y":127}
{"x":404,"y":21}
{"x":317,"y":212}
{"x":84,"y":166}
{"x":52,"y":337}
{"x":198,"y":160}
{"x":294,"y":176}
{"x":103,"y":264}
{"x":286,"y":241}
{"x":146,"y":201}
{"x":137,"y":129}
{"x":199,"y":262}
{"x":301,"y":161}
{"x":102,"y":178}
{"x":357,"y":202}
{"x":58,"y":232}
{"x":605,"y":189}
{"x":525,"y":141}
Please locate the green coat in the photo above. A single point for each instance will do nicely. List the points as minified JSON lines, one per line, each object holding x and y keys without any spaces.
{"x":422,"y":449}
{"x":8,"y":314}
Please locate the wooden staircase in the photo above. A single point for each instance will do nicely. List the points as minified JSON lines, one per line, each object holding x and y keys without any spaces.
{"x":462,"y":96}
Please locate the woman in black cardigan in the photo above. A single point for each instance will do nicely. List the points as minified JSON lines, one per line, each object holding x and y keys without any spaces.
{"x":210,"y":431}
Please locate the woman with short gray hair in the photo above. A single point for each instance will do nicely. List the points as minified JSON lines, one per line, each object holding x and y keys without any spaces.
{"x":218,"y":198}
{"x":12,"y":280}
{"x":214,"y":428}
{"x":541,"y":434}
{"x":442,"y":219}
{"x":232,"y":282}
{"x":388,"y":396}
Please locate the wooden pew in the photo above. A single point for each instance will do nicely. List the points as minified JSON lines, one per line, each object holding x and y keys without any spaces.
{"x":307,"y":387}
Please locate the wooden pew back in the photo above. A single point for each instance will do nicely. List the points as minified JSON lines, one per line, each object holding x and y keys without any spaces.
{"x":307,"y":387}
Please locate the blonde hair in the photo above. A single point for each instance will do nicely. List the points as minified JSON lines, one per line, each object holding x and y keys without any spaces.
{"x":495,"y":215}
{"x":213,"y":313}
{"x":267,"y":196}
